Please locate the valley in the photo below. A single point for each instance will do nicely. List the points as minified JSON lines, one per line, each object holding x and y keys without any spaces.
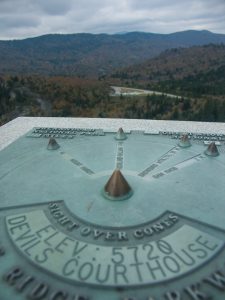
{"x":184,"y":83}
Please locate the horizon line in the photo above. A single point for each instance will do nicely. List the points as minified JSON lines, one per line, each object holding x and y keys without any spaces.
{"x":110,"y":34}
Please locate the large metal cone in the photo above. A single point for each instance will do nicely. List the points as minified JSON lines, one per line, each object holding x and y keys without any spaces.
{"x":184,"y":141}
{"x":117,"y":188}
{"x":120,"y":134}
{"x":212,"y":150}
{"x":52,"y":144}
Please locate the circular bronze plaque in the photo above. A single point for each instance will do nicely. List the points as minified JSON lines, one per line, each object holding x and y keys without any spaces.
{"x":89,"y":214}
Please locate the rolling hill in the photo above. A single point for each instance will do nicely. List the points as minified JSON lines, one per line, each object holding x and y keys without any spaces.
{"x":198,"y":69}
{"x":91,"y":55}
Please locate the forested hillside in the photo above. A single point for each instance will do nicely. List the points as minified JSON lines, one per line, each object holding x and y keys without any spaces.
{"x":91,"y":54}
{"x":74,"y":97}
{"x":55,"y":96}
{"x":174,"y":64}
{"x":197,"y":74}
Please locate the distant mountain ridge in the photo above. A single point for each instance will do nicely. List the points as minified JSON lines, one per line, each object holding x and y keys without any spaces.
{"x":175,"y":64}
{"x":194,"y":72}
{"x":90,"y":55}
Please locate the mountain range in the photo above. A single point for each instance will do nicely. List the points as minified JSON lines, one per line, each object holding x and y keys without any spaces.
{"x":92,"y":55}
{"x":175,"y":64}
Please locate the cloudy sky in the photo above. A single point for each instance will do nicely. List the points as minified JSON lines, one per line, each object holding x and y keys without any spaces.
{"x":27,"y":18}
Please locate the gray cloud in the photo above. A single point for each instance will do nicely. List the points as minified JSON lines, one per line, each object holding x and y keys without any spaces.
{"x":18,"y":22}
{"x":55,"y":7}
{"x":24,"y":18}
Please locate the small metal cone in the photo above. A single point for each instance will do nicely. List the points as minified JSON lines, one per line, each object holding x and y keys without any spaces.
{"x":117,"y":186}
{"x":52,"y":144}
{"x":184,"y":141}
{"x":120,"y":134}
{"x":212,"y":150}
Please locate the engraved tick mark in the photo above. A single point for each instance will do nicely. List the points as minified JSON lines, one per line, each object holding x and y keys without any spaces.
{"x":89,"y":206}
{"x":2,"y":251}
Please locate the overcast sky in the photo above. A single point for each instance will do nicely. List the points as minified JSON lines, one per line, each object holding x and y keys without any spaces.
{"x":27,"y":18}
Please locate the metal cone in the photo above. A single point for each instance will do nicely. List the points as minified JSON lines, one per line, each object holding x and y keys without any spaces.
{"x":52,"y":144}
{"x":117,"y":188}
{"x":212,"y":150}
{"x":120,"y":134}
{"x":184,"y":141}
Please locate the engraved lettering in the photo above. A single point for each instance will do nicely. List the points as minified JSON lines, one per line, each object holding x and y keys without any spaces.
{"x":148,"y":231}
{"x":55,"y":209}
{"x":151,"y":249}
{"x":135,"y":252}
{"x":137,"y":269}
{"x":45,"y":231}
{"x":41,"y":258}
{"x":24,"y":283}
{"x":33,"y":239}
{"x":158,"y":175}
{"x":118,"y":256}
{"x":122,"y":236}
{"x":72,"y":226}
{"x":102,"y":278}
{"x":26,"y":250}
{"x":206,"y":243}
{"x":138,"y":234}
{"x":194,"y":292}
{"x":137,"y":264}
{"x":52,"y":204}
{"x":58,"y":295}
{"x":188,"y":260}
{"x":85,"y":231}
{"x":173,"y":218}
{"x":167,"y":223}
{"x":64,"y":243}
{"x":21,"y":227}
{"x":58,"y":214}
{"x":109,"y":236}
{"x":64,"y":220}
{"x":78,"y":249}
{"x":171,"y":264}
{"x":173,"y":296}
{"x":164,"y":247}
{"x":85,"y":271}
{"x":158,"y":260}
{"x":69,"y":267}
{"x":12,"y":276}
{"x":38,"y":292}
{"x":17,"y":220}
{"x":158,"y":227}
{"x":97,"y":233}
{"x":50,"y":237}
{"x":120,"y":271}
{"x":201,"y":252}
{"x":217,"y":280}
{"x":156,"y":268}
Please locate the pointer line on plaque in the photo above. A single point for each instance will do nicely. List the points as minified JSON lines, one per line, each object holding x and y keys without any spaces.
{"x":159,"y":161}
{"x":77,"y":163}
{"x":119,"y":156}
{"x":180,"y":165}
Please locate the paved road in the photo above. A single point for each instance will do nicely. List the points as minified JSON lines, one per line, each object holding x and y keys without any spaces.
{"x":119,"y":90}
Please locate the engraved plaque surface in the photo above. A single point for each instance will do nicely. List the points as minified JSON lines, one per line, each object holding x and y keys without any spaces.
{"x":61,"y":238}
